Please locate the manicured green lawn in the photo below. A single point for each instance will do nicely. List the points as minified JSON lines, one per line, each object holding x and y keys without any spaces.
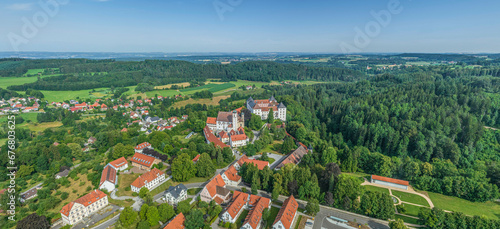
{"x":489,"y":209}
{"x":411,"y":210}
{"x":241,"y":219}
{"x":408,"y":219}
{"x":161,"y":188}
{"x":273,"y":213}
{"x":376,"y":189}
{"x":411,"y":198}
{"x":193,"y":191}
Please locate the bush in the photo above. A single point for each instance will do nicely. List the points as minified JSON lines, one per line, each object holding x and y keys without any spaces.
{"x":89,"y":188}
{"x":127,"y":188}
{"x":64,"y":195}
{"x":135,"y":194}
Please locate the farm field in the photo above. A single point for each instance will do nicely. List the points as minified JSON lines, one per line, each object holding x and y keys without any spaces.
{"x":489,"y":209}
{"x":214,"y":101}
{"x":210,"y":87}
{"x":25,"y":116}
{"x":9,"y":81}
{"x":39,"y":127}
{"x":410,"y":198}
{"x":59,"y":96}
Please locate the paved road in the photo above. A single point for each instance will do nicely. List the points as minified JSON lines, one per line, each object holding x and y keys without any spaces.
{"x":91,"y":220}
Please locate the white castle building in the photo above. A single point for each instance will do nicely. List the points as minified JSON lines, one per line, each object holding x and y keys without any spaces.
{"x":264,"y":107}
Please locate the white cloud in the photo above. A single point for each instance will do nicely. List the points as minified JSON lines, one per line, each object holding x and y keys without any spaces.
{"x":20,"y":6}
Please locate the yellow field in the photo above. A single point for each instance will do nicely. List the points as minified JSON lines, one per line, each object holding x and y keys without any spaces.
{"x":170,"y":85}
{"x":38,"y":127}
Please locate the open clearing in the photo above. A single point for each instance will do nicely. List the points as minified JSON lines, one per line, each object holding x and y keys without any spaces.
{"x":214,"y":101}
{"x":185,"y":84}
{"x":410,"y":198}
{"x":489,"y":209}
{"x":376,"y":189}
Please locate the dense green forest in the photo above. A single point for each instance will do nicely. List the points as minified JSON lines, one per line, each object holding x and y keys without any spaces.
{"x":87,"y":74}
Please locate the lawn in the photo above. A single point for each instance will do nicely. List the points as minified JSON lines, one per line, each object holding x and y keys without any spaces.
{"x":59,"y":96}
{"x":193,"y":191}
{"x":411,"y":210}
{"x":34,"y":71}
{"x":125,"y":180}
{"x":410,"y":198}
{"x":241,"y":219}
{"x":161,"y":188}
{"x":121,"y":203}
{"x":407,"y":219}
{"x":25,"y":116}
{"x":376,"y":189}
{"x":273,"y":213}
{"x":489,"y":209}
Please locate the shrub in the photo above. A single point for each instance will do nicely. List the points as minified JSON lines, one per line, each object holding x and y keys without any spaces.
{"x":127,"y":188}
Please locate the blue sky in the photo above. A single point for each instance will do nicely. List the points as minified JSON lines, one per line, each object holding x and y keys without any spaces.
{"x":250,"y":26}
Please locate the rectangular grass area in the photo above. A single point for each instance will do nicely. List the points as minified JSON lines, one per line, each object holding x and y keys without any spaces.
{"x":273,"y":213}
{"x":376,"y":189}
{"x":125,"y":180}
{"x":412,"y":210}
{"x":241,"y":219}
{"x":410,"y":198}
{"x":407,"y":219}
{"x":193,"y":191}
{"x":489,"y":209}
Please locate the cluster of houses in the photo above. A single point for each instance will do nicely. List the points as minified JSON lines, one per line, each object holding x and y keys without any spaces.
{"x":237,"y":202}
{"x":17,"y":105}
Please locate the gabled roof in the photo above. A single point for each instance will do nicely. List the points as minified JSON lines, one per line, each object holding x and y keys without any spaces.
{"x":239,"y":201}
{"x":211,"y":138}
{"x":211,"y":120}
{"x":287,"y":212}
{"x":294,"y":157}
{"x":147,"y":177}
{"x":108,"y":174}
{"x":258,"y":163}
{"x":175,"y":191}
{"x":238,"y":137}
{"x":225,"y":116}
{"x":176,"y":223}
{"x":142,"y":145}
{"x":255,"y":215}
{"x":232,"y":174}
{"x":143,"y":159}
{"x":119,"y":162}
{"x":390,"y":180}
{"x":212,"y":185}
{"x":195,"y":159}
{"x":84,"y":200}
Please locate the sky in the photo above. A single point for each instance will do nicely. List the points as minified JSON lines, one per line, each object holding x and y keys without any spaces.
{"x":321,"y":26}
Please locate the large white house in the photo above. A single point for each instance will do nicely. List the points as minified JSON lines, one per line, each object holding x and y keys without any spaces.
{"x":231,"y":177}
{"x":227,"y":121}
{"x":176,"y":194}
{"x":264,"y":107}
{"x":150,"y":180}
{"x":84,"y":206}
{"x":119,"y":164}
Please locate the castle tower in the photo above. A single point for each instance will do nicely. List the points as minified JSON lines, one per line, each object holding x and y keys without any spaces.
{"x":235,"y":120}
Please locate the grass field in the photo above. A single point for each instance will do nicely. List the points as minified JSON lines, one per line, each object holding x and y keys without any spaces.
{"x":273,"y":213}
{"x":193,"y":180}
{"x":59,"y":96}
{"x":214,"y":101}
{"x":193,"y":191}
{"x":489,"y":209}
{"x":161,"y":188}
{"x":38,"y":127}
{"x":241,"y":219}
{"x":410,"y":198}
{"x":185,"y":84}
{"x":376,"y":189}
{"x":412,"y":210}
{"x":408,"y":219}
{"x":25,"y":116}
{"x":125,"y":180}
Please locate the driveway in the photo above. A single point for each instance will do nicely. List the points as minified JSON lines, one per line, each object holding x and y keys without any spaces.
{"x":98,"y":216}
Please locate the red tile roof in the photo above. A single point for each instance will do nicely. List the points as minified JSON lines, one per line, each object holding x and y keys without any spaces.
{"x":108,"y":174}
{"x":239,"y":201}
{"x":212,"y":185}
{"x":177,"y":222}
{"x":147,"y":177}
{"x":142,"y":145}
{"x":211,"y":120}
{"x":143,"y":159}
{"x":258,"y":163}
{"x":287,"y":212}
{"x":238,"y":137}
{"x":232,"y":174}
{"x":119,"y":162}
{"x":211,"y":138}
{"x":390,"y":180}
{"x":255,"y":215}
{"x":195,"y":159}
{"x":84,"y":200}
